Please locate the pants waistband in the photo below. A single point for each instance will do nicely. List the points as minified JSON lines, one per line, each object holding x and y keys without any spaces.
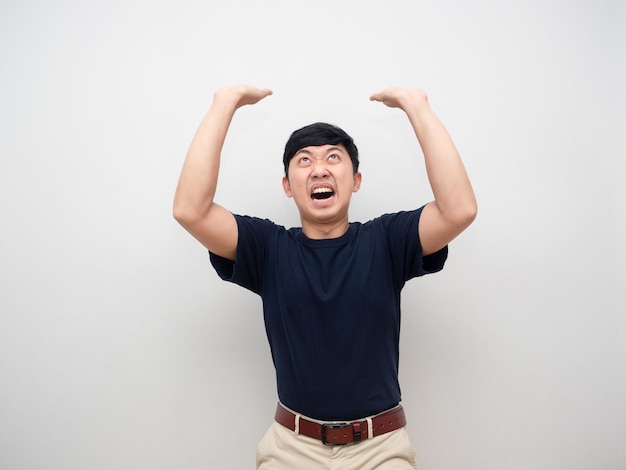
{"x":341,"y":433}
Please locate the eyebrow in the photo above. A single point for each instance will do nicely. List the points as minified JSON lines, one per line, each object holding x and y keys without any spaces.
{"x":328,"y":150}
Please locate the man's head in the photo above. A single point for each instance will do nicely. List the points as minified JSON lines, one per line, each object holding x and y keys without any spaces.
{"x":319,"y":134}
{"x":321,"y":173}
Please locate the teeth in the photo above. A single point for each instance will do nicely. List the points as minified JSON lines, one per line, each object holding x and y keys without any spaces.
{"x":322,"y":190}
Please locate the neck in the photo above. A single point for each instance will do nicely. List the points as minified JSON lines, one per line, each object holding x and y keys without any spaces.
{"x":318,"y":231}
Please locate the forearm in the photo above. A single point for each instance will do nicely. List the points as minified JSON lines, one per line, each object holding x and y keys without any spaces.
{"x":454,"y":196}
{"x":198,"y":179}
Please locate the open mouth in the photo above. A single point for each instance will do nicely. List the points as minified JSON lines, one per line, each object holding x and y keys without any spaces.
{"x":322,"y":193}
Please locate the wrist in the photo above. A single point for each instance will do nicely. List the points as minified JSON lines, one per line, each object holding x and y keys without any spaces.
{"x":417,"y":105}
{"x":416,"y":100}
{"x":225,"y":99}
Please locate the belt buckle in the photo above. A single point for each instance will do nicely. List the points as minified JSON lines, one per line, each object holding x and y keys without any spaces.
{"x":356,"y":435}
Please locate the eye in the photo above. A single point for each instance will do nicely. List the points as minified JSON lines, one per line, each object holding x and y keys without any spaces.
{"x":304,"y":160}
{"x":333,"y":156}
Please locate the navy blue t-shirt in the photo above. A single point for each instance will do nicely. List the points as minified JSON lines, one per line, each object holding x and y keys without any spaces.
{"x":332,"y":308}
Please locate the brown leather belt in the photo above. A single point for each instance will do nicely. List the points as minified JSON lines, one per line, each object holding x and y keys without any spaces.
{"x":342,"y":433}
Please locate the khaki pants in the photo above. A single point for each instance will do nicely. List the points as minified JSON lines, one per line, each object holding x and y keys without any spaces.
{"x":282,"y":449}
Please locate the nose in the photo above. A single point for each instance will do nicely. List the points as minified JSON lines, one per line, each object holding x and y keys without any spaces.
{"x":319,"y":170}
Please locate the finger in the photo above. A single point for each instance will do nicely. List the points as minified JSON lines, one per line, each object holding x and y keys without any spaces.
{"x":263,"y":93}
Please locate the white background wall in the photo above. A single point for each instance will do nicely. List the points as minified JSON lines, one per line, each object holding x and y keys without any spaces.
{"x":121,"y":349}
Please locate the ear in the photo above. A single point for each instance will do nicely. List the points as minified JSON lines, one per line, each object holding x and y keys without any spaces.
{"x":287,"y":187}
{"x":357,"y":181}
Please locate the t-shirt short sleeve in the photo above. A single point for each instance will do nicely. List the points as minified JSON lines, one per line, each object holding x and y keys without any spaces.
{"x":245,"y":271}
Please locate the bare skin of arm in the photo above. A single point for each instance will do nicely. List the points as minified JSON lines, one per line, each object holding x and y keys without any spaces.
{"x":454,"y":207}
{"x":194,"y":208}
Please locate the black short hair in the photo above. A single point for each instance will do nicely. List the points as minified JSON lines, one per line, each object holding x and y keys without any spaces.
{"x":320,"y":133}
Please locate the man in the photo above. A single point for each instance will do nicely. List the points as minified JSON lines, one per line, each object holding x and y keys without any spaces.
{"x":330,"y":289}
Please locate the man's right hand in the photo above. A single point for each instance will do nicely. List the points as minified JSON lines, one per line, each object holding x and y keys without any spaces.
{"x":241,"y":95}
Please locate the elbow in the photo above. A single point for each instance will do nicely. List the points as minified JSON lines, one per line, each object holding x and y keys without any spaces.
{"x":178,"y":215}
{"x":189,"y":214}
{"x":178,"y":211}
{"x":463,"y":216}
{"x":469,"y":213}
{"x":183,"y":215}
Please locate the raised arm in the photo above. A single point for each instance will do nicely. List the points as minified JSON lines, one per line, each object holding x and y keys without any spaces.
{"x":454,"y":207}
{"x":211,"y":224}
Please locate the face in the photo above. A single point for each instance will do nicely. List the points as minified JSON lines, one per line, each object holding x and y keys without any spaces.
{"x":321,"y":181}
